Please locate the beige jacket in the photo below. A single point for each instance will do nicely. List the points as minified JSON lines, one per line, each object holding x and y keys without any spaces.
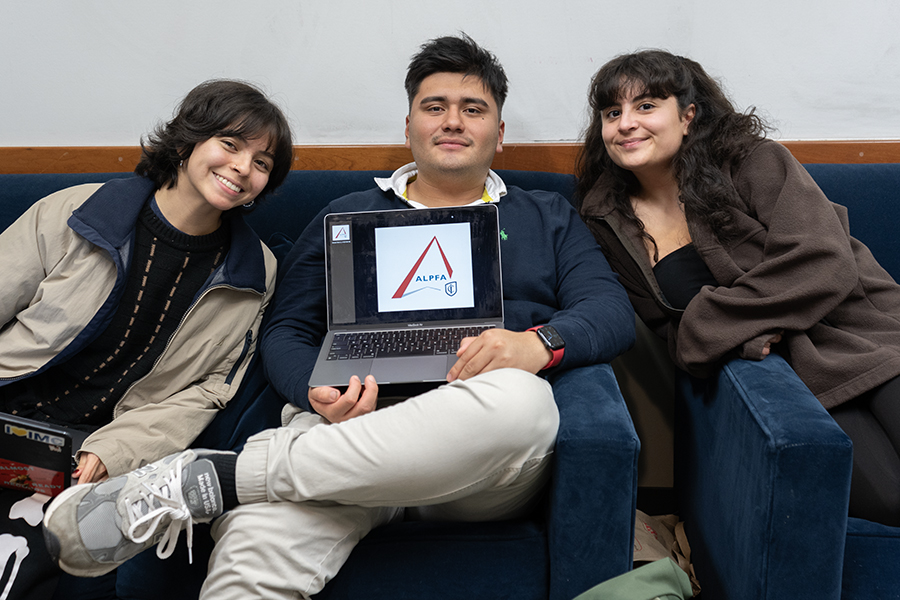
{"x":63,"y":264}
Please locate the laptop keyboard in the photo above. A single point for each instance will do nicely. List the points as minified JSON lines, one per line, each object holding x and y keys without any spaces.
{"x":400,"y":342}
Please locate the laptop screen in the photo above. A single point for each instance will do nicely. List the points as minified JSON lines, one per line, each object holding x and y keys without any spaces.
{"x":413,"y":265}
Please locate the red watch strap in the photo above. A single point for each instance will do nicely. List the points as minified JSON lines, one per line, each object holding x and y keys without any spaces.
{"x":557,"y":354}
{"x":557,"y":358}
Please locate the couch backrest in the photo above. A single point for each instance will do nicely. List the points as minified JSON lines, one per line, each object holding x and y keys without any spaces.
{"x":870,"y":191}
{"x":287,"y":211}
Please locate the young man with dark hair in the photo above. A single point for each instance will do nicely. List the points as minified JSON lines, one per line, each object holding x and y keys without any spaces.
{"x":459,"y":55}
{"x":300,"y":497}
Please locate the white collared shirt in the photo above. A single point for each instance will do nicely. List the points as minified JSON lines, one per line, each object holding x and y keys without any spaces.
{"x":494,"y":188}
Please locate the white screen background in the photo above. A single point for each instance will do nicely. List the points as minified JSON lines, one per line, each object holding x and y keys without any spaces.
{"x":397,"y":249}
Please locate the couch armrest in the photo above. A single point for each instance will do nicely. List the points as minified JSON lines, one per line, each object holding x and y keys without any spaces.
{"x":594,"y":486}
{"x":763,"y":477}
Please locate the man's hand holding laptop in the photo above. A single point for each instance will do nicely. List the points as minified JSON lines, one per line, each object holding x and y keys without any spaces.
{"x":499,"y":349}
{"x":493,"y":349}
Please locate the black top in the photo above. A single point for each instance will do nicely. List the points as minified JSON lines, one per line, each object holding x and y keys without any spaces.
{"x":681,"y":274}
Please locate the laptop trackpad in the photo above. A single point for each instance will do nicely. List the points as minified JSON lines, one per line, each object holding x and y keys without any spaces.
{"x":410,"y":368}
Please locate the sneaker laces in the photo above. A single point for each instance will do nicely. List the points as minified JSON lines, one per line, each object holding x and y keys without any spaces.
{"x":171,"y":504}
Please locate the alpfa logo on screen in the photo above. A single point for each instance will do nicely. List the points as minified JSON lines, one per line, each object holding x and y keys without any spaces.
{"x":47,"y":438}
{"x":428,"y":280}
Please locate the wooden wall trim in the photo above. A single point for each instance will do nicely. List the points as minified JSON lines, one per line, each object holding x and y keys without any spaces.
{"x":553,"y":157}
{"x":860,"y":151}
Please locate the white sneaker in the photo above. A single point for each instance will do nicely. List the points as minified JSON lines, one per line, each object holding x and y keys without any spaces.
{"x":91,"y":529}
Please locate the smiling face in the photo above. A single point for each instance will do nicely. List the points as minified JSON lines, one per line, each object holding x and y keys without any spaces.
{"x":643,"y":134}
{"x":225,"y":172}
{"x":454,"y":127}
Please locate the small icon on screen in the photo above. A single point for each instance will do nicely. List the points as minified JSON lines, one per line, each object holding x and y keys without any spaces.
{"x":340,"y":233}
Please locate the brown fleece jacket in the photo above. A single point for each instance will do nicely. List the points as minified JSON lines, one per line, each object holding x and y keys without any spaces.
{"x":791,"y":266}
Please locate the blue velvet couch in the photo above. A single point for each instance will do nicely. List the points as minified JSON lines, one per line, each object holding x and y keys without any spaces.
{"x":763,"y":472}
{"x":581,"y":535}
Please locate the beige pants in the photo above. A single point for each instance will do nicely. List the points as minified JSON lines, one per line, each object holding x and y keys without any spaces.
{"x":475,"y":450}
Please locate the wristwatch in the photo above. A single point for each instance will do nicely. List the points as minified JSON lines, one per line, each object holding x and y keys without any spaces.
{"x":553,"y":341}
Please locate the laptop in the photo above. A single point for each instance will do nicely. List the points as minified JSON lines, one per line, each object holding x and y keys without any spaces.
{"x":403,"y":287}
{"x":36,"y":456}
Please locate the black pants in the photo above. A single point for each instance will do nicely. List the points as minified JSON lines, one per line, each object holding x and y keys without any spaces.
{"x":873,"y":423}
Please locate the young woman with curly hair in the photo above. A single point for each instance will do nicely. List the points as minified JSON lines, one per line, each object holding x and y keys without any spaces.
{"x":728,"y":248}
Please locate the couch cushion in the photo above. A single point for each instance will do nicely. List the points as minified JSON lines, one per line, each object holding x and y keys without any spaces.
{"x":402,"y":561}
{"x":418,"y":560}
{"x":870,"y":558}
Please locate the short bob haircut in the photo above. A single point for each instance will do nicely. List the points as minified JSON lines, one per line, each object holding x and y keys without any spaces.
{"x":217,"y":108}
{"x":457,"y":55}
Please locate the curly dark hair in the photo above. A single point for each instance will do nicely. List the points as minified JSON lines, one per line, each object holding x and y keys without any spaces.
{"x":219,"y":107}
{"x":457,"y":55}
{"x":718,"y":134}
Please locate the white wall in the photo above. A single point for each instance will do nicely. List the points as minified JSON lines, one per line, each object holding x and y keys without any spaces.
{"x":103,"y":72}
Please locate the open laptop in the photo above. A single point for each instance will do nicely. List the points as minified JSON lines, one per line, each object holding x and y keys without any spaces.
{"x":431,"y":274}
{"x":36,"y":456}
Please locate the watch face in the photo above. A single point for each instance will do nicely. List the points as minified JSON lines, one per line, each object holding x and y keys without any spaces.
{"x":551,"y":338}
